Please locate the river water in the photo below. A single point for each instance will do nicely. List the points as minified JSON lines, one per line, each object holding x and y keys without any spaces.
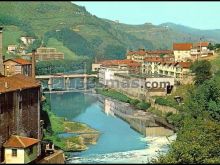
{"x":118,"y":143}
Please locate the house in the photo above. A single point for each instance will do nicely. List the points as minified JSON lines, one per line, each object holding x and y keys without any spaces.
{"x":12,"y":48}
{"x":47,"y":54}
{"x":20,"y":150}
{"x":137,"y":56}
{"x":27,"y":40}
{"x":182,"y":51}
{"x":17,"y":66}
{"x":19,"y":109}
{"x":150,"y":67}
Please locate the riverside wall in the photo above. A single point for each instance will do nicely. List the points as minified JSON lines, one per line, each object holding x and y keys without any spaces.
{"x":145,"y":123}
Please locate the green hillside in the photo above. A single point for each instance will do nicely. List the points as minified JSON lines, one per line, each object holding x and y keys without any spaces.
{"x":69,"y":27}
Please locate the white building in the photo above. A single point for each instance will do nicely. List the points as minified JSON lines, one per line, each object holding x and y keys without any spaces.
{"x":106,"y":73}
{"x":12,"y":48}
{"x":182,"y":51}
{"x":20,"y":150}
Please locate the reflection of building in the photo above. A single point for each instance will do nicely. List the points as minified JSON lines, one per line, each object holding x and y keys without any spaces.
{"x":17,"y":66}
{"x":46,"y":54}
{"x":19,"y":109}
{"x":108,"y":107}
{"x":21,"y":149}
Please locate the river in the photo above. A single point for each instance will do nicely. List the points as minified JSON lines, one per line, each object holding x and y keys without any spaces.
{"x":118,"y":143}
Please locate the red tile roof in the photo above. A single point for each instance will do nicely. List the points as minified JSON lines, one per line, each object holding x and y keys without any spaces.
{"x":185,"y":64}
{"x":158,"y":52}
{"x":128,"y":62}
{"x":203,"y":44}
{"x":182,"y":46}
{"x":140,"y":52}
{"x":17,"y":82}
{"x":20,"y":61}
{"x":20,"y":142}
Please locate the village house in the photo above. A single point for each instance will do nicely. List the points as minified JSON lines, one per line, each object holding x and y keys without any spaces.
{"x":27,"y":40}
{"x":137,"y":56}
{"x":21,"y":150}
{"x":17,"y":66}
{"x":12,"y":48}
{"x":200,"y":50}
{"x":182,"y":51}
{"x":19,"y":112}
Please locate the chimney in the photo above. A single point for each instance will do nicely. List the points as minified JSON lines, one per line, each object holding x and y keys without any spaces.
{"x":33,"y":61}
{"x":1,"y":52}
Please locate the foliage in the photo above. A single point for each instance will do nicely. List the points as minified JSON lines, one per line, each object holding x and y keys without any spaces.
{"x":134,"y":101}
{"x":202,"y":70}
{"x":198,"y":141}
{"x":163,"y":101}
{"x":143,"y":105}
{"x":62,"y":66}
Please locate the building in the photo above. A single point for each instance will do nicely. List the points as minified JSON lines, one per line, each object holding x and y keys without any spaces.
{"x":21,"y":150}
{"x":150,"y":64}
{"x":182,"y":51}
{"x":160,"y":53}
{"x":17,"y":66}
{"x":12,"y":48}
{"x":179,"y":70}
{"x":47,"y":54}
{"x":200,"y":50}
{"x":141,"y":54}
{"x":19,"y":109}
{"x":27,"y":40}
{"x":137,"y":56}
{"x":130,"y":65}
{"x":106,"y":73}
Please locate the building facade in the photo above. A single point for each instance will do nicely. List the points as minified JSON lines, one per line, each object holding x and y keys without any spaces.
{"x":17,"y":66}
{"x":19,"y":109}
{"x":182,"y":51}
{"x":47,"y":54}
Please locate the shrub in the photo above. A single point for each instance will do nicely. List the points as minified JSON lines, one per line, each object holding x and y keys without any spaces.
{"x":134,"y":101}
{"x":162,"y":101}
{"x":143,"y":105}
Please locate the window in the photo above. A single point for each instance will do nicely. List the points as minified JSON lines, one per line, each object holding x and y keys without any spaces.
{"x":14,"y":152}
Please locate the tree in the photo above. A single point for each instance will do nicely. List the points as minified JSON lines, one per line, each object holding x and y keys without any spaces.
{"x":202,"y":70}
{"x":211,"y":47}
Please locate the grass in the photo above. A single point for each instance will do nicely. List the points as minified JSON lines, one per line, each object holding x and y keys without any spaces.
{"x":123,"y":98}
{"x":10,"y":36}
{"x":60,"y":125}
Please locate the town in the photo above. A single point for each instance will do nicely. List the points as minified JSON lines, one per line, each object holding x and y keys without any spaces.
{"x":80,"y":88}
{"x":22,"y":131}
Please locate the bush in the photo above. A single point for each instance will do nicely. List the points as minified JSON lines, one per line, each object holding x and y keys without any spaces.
{"x":143,"y":105}
{"x":134,"y":101}
{"x":162,"y":101}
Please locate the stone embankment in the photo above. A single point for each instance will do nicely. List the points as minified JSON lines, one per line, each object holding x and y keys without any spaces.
{"x":146,"y":123}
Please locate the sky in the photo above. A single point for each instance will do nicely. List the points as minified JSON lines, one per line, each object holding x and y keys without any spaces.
{"x":201,"y":15}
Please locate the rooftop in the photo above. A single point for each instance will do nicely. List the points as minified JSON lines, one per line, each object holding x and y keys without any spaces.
{"x":182,"y":46}
{"x":20,"y":142}
{"x":17,"y":82}
{"x":20,"y":61}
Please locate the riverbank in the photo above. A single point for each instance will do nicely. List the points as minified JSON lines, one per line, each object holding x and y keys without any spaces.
{"x":79,"y":135}
{"x":144,"y":122}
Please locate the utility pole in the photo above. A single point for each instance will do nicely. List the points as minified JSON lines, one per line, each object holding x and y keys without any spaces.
{"x":1,"y":52}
